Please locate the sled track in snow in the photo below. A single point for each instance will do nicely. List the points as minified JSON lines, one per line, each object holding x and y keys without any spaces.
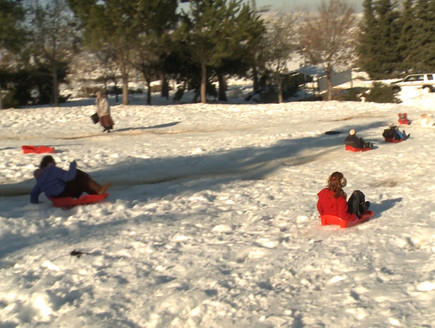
{"x":256,"y":171}
{"x":156,"y":132}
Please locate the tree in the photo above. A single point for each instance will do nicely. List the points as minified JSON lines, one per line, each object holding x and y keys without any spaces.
{"x":52,"y":39}
{"x":378,"y":47}
{"x":327,"y":39}
{"x":11,"y":33}
{"x":214,"y":30}
{"x":157,"y":19}
{"x":367,"y":41}
{"x":111,"y":24}
{"x":279,"y":44}
{"x":422,"y":48}
{"x":407,"y":34}
{"x":388,"y":33}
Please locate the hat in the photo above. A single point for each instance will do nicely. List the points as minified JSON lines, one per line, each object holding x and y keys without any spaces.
{"x":352,"y":132}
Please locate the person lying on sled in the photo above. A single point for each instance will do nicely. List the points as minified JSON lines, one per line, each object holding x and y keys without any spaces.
{"x":332,"y":199}
{"x":56,"y":182}
{"x":393,"y":133}
{"x":354,"y":141}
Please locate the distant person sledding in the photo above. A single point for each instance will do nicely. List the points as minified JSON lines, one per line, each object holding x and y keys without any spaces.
{"x":393,"y":134}
{"x":403,"y":119}
{"x":57,"y":183}
{"x":333,"y":207}
{"x":103,"y":112}
{"x":355,"y":143}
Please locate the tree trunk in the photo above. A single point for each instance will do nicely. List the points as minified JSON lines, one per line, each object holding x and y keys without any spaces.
{"x":203,"y":82}
{"x":124,"y":73}
{"x":55,"y":84}
{"x":222,"y":87}
{"x":255,"y":78}
{"x":279,"y":84}
{"x":148,"y":91}
{"x":329,"y":80}
{"x":165,"y":86}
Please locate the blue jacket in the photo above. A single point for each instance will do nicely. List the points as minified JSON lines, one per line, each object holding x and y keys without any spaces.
{"x":52,"y":181}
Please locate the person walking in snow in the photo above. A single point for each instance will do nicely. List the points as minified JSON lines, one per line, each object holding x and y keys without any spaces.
{"x":56,"y":183}
{"x":356,"y":142}
{"x":332,"y":199}
{"x":103,"y":112}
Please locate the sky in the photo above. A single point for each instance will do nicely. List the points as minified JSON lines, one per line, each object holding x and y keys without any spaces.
{"x":291,"y":4}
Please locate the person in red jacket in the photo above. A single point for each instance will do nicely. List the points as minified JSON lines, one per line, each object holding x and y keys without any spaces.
{"x":332,"y":199}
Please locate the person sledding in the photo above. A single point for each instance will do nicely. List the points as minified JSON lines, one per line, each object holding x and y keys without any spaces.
{"x":393,"y":134}
{"x":355,"y":143}
{"x":403,"y":119}
{"x":332,"y":200}
{"x":55,"y":182}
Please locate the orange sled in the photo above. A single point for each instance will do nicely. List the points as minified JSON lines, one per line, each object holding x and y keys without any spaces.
{"x":83,"y":200}
{"x":37,"y":149}
{"x":332,"y":219}
{"x":350,"y":148}
{"x":393,"y":140}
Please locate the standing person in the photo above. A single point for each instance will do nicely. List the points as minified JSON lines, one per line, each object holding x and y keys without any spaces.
{"x":57,"y":183}
{"x":332,"y":199}
{"x":356,"y":142}
{"x":103,"y":112}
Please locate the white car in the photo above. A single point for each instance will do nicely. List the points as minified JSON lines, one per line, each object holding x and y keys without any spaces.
{"x":424,"y":81}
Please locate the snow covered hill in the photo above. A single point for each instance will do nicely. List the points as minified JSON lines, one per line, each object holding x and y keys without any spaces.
{"x":212,"y":222}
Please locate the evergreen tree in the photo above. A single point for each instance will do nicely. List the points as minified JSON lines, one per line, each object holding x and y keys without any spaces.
{"x":378,"y":46}
{"x":111,"y":24}
{"x":11,"y":33}
{"x":407,"y":35}
{"x":11,"y":36}
{"x":157,"y":19}
{"x":214,"y":30}
{"x":367,"y":43}
{"x":388,"y":32}
{"x":52,"y":39}
{"x":429,"y":50}
{"x":422,"y":49}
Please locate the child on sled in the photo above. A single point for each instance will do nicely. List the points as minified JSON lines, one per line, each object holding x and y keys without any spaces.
{"x":393,"y":133}
{"x":356,"y":142}
{"x":56,"y":182}
{"x":332,"y":199}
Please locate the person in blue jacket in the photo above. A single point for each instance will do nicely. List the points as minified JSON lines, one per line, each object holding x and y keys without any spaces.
{"x":56,"y":182}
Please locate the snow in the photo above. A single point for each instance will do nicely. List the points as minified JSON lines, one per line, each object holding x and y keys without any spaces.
{"x":212,"y":222}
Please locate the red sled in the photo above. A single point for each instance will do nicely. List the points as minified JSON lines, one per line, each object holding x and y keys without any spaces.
{"x":350,"y":148}
{"x":393,"y":140}
{"x":404,"y":121}
{"x":37,"y":149}
{"x":332,"y":219}
{"x":83,"y":200}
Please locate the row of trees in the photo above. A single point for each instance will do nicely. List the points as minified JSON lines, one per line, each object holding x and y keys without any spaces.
{"x":397,"y":39}
{"x":195,"y":41}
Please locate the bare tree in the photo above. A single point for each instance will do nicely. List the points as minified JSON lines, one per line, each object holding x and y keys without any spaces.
{"x":53,"y":35}
{"x":279,"y":44}
{"x":327,"y":38}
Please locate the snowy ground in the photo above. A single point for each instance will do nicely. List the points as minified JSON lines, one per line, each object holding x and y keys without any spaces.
{"x":212,"y":221}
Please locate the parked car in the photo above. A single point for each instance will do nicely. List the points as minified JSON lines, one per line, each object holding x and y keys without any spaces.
{"x":424,"y":81}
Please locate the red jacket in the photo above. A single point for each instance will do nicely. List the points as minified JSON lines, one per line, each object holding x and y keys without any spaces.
{"x":327,"y":204}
